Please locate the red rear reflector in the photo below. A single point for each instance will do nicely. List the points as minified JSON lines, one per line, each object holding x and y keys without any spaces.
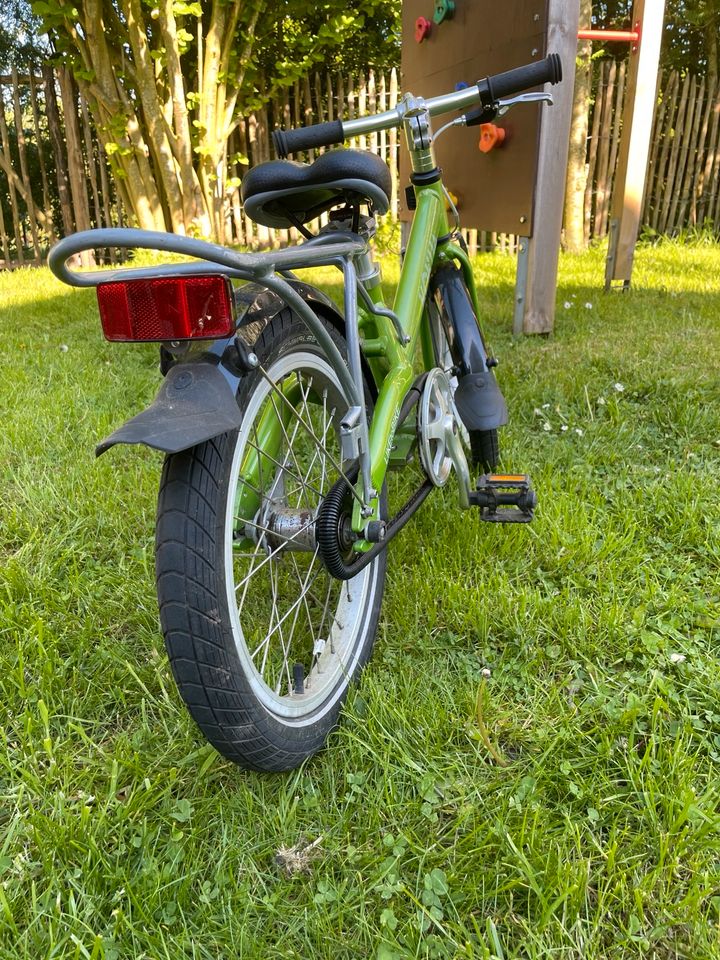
{"x":166,"y":308}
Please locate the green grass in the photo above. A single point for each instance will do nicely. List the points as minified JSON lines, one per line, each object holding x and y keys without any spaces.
{"x":123,"y":835}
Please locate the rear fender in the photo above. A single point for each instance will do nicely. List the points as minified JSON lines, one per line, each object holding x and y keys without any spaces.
{"x":195,"y":403}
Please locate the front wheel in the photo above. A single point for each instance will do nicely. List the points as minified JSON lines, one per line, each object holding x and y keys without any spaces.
{"x":263,"y":642}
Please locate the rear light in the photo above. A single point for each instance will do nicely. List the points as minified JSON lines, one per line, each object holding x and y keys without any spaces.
{"x":166,"y":308}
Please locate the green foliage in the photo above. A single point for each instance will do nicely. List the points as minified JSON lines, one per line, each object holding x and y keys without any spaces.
{"x":20,"y":42}
{"x":689,"y":25}
{"x":124,"y":835}
{"x":344,"y":38}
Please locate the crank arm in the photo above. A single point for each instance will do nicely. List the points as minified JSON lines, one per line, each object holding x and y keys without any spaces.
{"x":462,"y":471}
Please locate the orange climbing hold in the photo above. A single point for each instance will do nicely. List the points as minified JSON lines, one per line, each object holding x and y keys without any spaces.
{"x":490,"y":137}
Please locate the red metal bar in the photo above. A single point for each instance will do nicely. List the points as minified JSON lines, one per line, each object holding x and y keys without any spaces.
{"x":626,"y":36}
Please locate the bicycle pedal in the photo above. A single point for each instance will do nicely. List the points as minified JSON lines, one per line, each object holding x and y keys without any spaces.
{"x":505,"y":498}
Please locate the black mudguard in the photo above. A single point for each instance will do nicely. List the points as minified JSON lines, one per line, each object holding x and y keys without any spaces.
{"x":197,"y":400}
{"x":478,"y":397}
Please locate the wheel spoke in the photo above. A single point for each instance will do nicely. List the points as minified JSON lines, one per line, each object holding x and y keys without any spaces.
{"x":304,"y":598}
{"x":273,"y":613}
{"x":282,"y":467}
{"x":318,"y":450}
{"x":326,"y":606}
{"x":309,"y":430}
{"x":291,"y":609}
{"x":305,"y":591}
{"x":288,"y":440}
{"x":273,"y":580}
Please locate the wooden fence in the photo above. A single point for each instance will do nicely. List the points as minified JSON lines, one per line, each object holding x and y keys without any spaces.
{"x":684,"y":168}
{"x":54,"y":175}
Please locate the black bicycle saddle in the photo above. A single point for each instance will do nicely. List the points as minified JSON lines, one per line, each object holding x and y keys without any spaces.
{"x":283,"y":193}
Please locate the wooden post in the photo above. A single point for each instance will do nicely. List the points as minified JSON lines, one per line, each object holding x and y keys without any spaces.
{"x":24,"y":172}
{"x":3,"y":236}
{"x":698,"y":180}
{"x":535,"y":298}
{"x":592,"y":155}
{"x":41,"y":159}
{"x":58,"y":142}
{"x":11,"y":177}
{"x":604,"y":175}
{"x":617,"y":117}
{"x":712,"y":160}
{"x":634,"y":148}
{"x":76,"y":162}
{"x":90,"y":154}
{"x":661,"y":145}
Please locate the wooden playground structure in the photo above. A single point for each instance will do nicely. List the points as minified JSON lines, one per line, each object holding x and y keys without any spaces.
{"x":515,"y":182}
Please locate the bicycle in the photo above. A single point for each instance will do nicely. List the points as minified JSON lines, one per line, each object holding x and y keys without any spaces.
{"x":280,"y":417}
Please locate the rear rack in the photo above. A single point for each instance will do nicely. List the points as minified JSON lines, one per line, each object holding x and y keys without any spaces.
{"x":318,"y":252}
{"x":267,"y":268}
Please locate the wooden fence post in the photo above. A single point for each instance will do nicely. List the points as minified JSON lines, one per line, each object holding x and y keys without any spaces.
{"x":634,"y":146}
{"x":537,"y":277}
{"x":24,"y":172}
{"x":49,"y":226}
{"x":11,"y":178}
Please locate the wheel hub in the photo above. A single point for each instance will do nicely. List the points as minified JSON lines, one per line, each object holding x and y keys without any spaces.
{"x":286,"y":529}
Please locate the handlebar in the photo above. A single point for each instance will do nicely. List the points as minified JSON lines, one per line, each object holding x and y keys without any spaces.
{"x":486,"y":92}
{"x":507,"y":84}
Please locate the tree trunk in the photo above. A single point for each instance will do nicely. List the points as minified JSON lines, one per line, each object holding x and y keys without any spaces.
{"x":711,"y":44}
{"x":76,"y":163}
{"x":193,"y":209}
{"x":152,"y":110}
{"x":58,"y":142}
{"x":574,"y":237}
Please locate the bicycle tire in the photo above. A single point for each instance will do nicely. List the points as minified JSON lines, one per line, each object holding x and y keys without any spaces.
{"x":213,"y":638}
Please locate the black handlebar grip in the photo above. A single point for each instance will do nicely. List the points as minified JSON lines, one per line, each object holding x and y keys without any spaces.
{"x":306,"y":138}
{"x":515,"y":81}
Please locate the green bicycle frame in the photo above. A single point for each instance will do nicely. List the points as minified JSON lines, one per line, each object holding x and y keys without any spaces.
{"x":392,"y":362}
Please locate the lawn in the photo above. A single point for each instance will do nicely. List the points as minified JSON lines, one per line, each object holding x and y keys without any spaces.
{"x":565,"y":806}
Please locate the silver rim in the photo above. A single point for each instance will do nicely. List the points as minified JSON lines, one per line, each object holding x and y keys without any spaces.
{"x":289,"y":616}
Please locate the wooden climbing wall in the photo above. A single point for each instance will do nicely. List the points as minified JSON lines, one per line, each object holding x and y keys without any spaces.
{"x":495,"y":190}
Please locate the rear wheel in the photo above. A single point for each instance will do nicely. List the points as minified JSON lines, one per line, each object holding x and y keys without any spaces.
{"x":263,"y":642}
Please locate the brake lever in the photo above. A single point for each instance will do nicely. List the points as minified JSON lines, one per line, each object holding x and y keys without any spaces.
{"x":504,"y":105}
{"x":501,"y":107}
{"x":488,"y":114}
